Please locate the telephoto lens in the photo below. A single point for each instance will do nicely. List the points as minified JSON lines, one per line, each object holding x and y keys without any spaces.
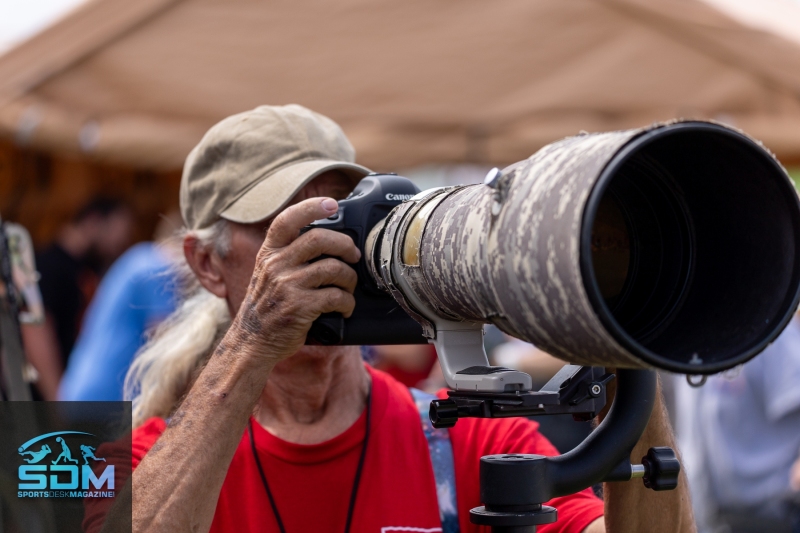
{"x":673,"y":247}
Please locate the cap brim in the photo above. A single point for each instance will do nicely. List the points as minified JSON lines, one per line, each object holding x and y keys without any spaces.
{"x":272,"y":193}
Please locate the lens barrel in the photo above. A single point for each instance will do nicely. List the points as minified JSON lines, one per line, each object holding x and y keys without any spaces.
{"x":673,"y":246}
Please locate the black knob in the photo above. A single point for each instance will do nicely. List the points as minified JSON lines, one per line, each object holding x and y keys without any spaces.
{"x":443,"y":413}
{"x":661,"y":468}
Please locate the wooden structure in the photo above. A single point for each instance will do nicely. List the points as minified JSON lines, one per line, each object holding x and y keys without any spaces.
{"x":114,"y":96}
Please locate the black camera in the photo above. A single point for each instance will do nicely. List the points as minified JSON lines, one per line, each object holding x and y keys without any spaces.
{"x":377,"y":318}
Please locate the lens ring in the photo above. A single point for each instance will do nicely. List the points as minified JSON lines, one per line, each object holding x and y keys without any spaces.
{"x":673,"y":348}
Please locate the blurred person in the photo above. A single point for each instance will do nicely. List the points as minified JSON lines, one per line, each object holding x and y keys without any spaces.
{"x":137,"y":293}
{"x":740,"y":438}
{"x":69,"y":270}
{"x":239,"y":424}
{"x":20,"y":304}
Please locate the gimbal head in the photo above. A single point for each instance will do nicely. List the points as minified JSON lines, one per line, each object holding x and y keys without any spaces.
{"x":514,"y":487}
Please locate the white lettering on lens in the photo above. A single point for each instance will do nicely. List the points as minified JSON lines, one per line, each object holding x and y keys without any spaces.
{"x":399,"y":197}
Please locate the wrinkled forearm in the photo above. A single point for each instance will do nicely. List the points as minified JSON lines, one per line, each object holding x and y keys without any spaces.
{"x":177,"y":484}
{"x":632,"y":508}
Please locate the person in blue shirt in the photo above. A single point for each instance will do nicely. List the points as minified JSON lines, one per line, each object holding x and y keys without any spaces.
{"x":739,"y":435}
{"x":137,"y":293}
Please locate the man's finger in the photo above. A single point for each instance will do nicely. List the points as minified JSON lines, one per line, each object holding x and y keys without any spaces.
{"x":335,"y":300}
{"x":287,"y":225}
{"x":329,"y":272}
{"x":319,"y":242}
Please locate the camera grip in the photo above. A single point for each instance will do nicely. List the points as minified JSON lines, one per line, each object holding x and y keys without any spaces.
{"x":377,"y":318}
{"x":328,"y":329}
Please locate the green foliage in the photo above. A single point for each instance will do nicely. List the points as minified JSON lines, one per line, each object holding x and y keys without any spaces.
{"x":795,"y":174}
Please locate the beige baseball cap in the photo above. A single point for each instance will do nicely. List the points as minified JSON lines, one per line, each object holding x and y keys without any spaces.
{"x":249,"y":166}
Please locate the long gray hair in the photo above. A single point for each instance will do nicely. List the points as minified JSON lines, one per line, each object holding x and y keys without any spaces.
{"x":179,"y":347}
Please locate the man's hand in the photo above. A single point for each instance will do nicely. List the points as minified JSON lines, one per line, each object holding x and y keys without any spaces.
{"x":287,"y":293}
{"x":176,"y":486}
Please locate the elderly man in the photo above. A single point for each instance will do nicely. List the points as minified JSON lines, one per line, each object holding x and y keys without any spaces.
{"x":242,"y":427}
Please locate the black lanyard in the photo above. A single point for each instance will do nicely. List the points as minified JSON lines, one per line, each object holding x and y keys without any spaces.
{"x":356,"y":481}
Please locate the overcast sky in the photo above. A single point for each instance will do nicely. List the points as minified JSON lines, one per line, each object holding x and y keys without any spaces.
{"x":20,"y":19}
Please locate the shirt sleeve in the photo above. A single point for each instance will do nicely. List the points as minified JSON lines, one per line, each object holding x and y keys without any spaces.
{"x":154,"y":294}
{"x":136,"y":294}
{"x":475,"y":437}
{"x":125,"y":454}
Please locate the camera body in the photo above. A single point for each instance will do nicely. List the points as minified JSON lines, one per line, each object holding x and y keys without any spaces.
{"x":377,"y":318}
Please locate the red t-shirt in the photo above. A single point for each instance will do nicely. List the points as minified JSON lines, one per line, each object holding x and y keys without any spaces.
{"x":311,"y":484}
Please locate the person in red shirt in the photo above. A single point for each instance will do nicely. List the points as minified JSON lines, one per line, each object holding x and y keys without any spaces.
{"x":241,"y":427}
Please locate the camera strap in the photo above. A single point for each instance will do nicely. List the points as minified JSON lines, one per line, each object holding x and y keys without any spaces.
{"x":441,"y":452}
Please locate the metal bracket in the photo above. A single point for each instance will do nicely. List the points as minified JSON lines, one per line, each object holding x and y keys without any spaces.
{"x":576,"y":390}
{"x":465,"y":366}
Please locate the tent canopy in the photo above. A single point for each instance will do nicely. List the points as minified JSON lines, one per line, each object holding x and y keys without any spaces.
{"x":410,"y":82}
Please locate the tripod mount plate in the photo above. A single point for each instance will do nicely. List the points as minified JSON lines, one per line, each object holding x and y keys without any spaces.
{"x":575,"y":390}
